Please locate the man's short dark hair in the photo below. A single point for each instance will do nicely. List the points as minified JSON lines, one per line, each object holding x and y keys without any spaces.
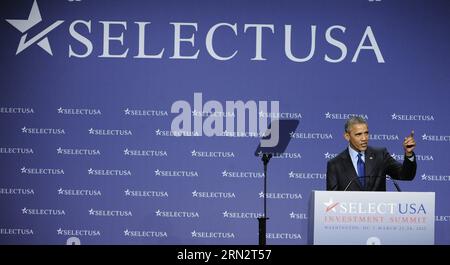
{"x":354,"y":120}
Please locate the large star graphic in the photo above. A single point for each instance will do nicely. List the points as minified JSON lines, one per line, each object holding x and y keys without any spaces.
{"x":25,"y":24}
{"x":330,"y":205}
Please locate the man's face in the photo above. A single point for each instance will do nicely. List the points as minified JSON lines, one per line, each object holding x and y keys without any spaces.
{"x":358,"y":136}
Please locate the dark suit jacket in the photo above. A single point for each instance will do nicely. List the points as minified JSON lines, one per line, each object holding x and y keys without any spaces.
{"x":378,"y":164}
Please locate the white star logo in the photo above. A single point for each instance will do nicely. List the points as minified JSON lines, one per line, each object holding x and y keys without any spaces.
{"x":59,"y":150}
{"x":24,"y":210}
{"x":59,"y":231}
{"x":193,"y":153}
{"x":158,"y":132}
{"x":225,"y":214}
{"x":397,"y":157}
{"x":292,"y":215}
{"x":127,"y":192}
{"x":60,"y":191}
{"x":158,"y":213}
{"x":23,"y":170}
{"x":127,"y":111}
{"x":91,"y":211}
{"x":157,"y":172}
{"x":261,"y":113}
{"x":224,"y":173}
{"x":292,"y":134}
{"x":327,"y":115}
{"x":126,"y":152}
{"x":261,"y":194}
{"x":327,"y":155}
{"x":194,"y":193}
{"x":394,"y":116}
{"x":424,"y":136}
{"x":91,"y":131}
{"x":424,"y":177}
{"x":291,"y":174}
{"x":25,"y":24}
{"x":194,"y":113}
{"x":90,"y":171}
{"x":193,"y":234}
{"x":60,"y":110}
{"x":126,"y":232}
{"x":24,"y":129}
{"x":330,"y":205}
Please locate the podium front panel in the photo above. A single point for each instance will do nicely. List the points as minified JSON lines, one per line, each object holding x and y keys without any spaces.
{"x":359,"y":218}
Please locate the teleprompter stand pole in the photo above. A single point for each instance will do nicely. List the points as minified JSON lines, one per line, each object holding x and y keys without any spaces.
{"x":263,"y":220}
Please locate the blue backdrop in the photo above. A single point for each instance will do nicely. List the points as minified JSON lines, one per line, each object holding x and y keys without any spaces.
{"x":86,"y":149}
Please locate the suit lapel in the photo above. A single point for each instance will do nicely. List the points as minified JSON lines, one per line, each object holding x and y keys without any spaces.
{"x":370,"y":166}
{"x":369,"y":162}
{"x":350,"y":169}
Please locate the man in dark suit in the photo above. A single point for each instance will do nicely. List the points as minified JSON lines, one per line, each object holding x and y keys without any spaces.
{"x":364,"y":168}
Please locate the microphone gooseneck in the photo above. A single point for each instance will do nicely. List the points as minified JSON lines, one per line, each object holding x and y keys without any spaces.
{"x":397,"y":187}
{"x":395,"y":183}
{"x":351,"y":181}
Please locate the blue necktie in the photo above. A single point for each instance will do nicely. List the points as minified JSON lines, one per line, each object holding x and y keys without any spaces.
{"x":361,"y":170}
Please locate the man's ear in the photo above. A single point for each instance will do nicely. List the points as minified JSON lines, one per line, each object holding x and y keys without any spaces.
{"x":347,"y":136}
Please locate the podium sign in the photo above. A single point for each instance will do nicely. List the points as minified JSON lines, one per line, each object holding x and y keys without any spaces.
{"x":359,"y":218}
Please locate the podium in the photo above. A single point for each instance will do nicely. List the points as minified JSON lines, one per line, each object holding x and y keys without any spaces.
{"x":371,"y":218}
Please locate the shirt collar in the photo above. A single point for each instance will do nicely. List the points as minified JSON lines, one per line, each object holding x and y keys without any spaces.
{"x":353,"y":153}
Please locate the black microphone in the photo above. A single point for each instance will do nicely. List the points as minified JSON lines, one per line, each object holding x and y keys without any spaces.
{"x":352,"y":180}
{"x":397,"y":187}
